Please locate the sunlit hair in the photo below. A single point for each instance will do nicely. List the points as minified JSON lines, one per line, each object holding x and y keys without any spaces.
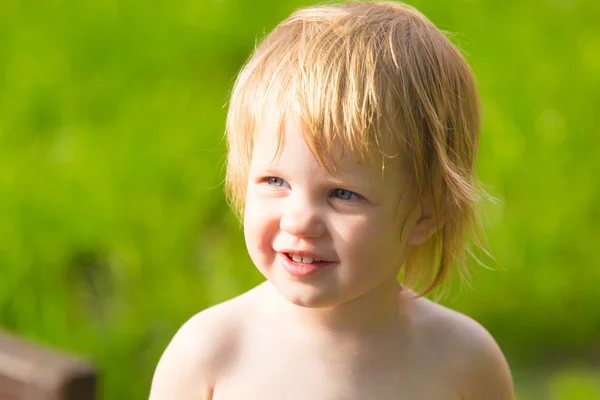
{"x":381,"y":80}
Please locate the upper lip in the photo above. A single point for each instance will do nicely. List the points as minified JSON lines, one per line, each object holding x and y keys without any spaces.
{"x":304,"y":253}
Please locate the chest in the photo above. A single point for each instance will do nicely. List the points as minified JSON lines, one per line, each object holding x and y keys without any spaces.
{"x":296,"y":375}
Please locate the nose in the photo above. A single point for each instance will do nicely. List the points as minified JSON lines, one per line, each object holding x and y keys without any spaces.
{"x":302,"y":219}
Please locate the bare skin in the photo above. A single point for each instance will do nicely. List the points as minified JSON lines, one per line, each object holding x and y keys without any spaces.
{"x":347,"y":330}
{"x":259,"y":346}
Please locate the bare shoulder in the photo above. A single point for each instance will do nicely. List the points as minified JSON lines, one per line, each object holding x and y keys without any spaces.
{"x":468,"y":351}
{"x":200,"y":351}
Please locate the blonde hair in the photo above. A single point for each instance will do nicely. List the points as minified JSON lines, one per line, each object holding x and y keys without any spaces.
{"x":381,"y":80}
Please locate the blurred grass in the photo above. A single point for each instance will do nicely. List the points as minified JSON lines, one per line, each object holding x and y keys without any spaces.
{"x":114,"y":229}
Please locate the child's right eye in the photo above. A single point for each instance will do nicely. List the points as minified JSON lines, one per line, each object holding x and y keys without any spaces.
{"x":275,"y":181}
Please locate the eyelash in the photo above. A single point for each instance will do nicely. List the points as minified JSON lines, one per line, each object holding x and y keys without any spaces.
{"x":271,"y":180}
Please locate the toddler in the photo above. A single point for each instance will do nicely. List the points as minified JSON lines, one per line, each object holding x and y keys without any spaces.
{"x":352,"y":132}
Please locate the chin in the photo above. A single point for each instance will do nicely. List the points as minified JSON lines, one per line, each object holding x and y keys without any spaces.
{"x":306,"y":295}
{"x":306,"y":301}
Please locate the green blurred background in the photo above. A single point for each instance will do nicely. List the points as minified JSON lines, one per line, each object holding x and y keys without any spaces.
{"x":113,"y":225}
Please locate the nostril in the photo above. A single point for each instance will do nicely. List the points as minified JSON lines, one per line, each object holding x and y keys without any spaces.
{"x":307,"y":223}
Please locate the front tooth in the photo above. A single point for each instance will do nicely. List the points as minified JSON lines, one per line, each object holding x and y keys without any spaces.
{"x":303,"y":260}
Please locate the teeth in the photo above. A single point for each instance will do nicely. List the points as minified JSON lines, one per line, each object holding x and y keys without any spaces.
{"x":303,"y":260}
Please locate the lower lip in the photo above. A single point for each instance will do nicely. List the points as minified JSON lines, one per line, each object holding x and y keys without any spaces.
{"x":301,"y":270}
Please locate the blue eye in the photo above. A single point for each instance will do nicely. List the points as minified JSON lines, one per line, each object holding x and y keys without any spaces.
{"x":344,"y":194}
{"x":275,"y":181}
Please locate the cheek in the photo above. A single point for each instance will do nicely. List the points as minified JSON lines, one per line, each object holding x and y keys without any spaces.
{"x":373,"y":239}
{"x":260,"y":226}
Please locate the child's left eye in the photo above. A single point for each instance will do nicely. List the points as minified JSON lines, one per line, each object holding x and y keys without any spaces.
{"x":344,"y":194}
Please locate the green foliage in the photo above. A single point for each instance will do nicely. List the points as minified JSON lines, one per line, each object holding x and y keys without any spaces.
{"x":114,"y":229}
{"x":575,"y":385}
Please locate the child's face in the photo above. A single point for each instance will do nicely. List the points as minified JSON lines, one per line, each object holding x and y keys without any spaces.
{"x":353,"y":221}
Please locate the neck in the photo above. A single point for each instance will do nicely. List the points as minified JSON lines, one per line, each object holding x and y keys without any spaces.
{"x":377,"y":312}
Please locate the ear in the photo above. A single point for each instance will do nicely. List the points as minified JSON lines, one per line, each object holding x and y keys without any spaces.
{"x":427,"y":224}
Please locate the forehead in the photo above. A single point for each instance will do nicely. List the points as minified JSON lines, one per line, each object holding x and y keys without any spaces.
{"x":283,"y":139}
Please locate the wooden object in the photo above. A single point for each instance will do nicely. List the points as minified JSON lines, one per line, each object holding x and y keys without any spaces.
{"x":32,"y":372}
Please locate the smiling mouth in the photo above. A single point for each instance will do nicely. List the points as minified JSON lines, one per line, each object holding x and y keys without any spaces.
{"x":304,"y":259}
{"x":303,"y":266}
